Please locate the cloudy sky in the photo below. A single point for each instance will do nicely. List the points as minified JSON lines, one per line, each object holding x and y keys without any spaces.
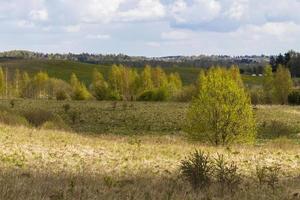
{"x":151,"y":27}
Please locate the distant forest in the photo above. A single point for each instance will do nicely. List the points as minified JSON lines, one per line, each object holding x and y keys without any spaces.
{"x":248,"y":64}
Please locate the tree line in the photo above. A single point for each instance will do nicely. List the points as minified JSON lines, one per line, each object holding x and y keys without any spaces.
{"x":151,"y":84}
{"x":123,"y":83}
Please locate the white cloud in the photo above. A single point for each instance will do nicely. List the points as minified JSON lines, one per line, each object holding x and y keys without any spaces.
{"x":281,"y":30}
{"x":72,"y":28}
{"x":145,"y":10}
{"x":38,"y":15}
{"x":93,"y":11}
{"x":238,"y":9}
{"x":196,"y":12}
{"x":175,"y":35}
{"x":99,"y":36}
{"x":25,"y":24}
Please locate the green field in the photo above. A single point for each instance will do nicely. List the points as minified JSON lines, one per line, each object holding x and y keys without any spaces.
{"x":62,"y":69}
{"x":148,"y":118}
{"x":134,"y":152}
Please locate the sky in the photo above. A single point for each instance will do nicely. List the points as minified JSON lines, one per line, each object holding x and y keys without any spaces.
{"x":151,"y":27}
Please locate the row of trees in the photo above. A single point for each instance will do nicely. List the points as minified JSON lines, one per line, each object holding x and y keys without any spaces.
{"x":123,"y":83}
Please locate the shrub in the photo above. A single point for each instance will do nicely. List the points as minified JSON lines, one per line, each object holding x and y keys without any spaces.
{"x":294,"y":98}
{"x":61,"y":95}
{"x":275,"y":129}
{"x":226,"y":174}
{"x":56,"y":124}
{"x":66,"y":107}
{"x":80,"y":92}
{"x":158,"y":94}
{"x":12,"y":103}
{"x":186,"y":94}
{"x":74,"y":116}
{"x":197,"y":170}
{"x":38,"y":117}
{"x":148,"y":95}
{"x":222,"y":112}
{"x":12,"y":119}
{"x":257,"y":96}
{"x":268,"y":175}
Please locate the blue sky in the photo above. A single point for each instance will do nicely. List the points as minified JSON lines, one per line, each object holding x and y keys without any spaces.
{"x":151,"y":27}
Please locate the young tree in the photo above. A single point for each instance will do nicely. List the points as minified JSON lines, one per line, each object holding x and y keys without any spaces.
{"x":159,"y":77}
{"x":282,"y":84}
{"x":99,"y":86}
{"x":16,"y":83}
{"x":40,"y":82}
{"x":174,"y":84}
{"x":222,"y":112}
{"x":236,"y":75}
{"x":25,"y":89}
{"x":268,"y":84}
{"x":114,"y":82}
{"x":146,"y":79}
{"x":79,"y":90}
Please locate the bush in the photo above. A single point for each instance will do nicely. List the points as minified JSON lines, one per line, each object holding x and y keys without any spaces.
{"x":268,"y":175}
{"x":56,"y":124}
{"x":226,"y":174}
{"x":222,"y":113}
{"x":294,"y":98}
{"x":38,"y":117}
{"x":158,"y":94}
{"x":148,"y":95}
{"x":257,"y":96}
{"x":12,"y":103}
{"x":275,"y":129}
{"x":80,"y":92}
{"x":12,"y":119}
{"x":197,"y":170}
{"x":74,"y":116}
{"x":66,"y":107}
{"x":61,"y":95}
{"x":186,"y":94}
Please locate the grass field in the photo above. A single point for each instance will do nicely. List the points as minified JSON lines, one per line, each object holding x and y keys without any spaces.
{"x":62,"y":69}
{"x":135,"y":151}
{"x":44,"y":164}
{"x":144,"y":118}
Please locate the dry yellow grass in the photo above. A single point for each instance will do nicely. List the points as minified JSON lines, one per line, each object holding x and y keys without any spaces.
{"x":43,"y":164}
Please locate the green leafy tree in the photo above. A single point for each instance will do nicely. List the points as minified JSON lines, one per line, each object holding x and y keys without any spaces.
{"x":283,"y":85}
{"x":79,"y":90}
{"x":159,"y":77}
{"x":146,"y":79}
{"x":40,"y":82}
{"x":114,"y":82}
{"x":236,"y":74}
{"x":268,"y":84}
{"x":99,"y":86}
{"x":222,"y":112}
{"x":25,"y":89}
{"x":175,"y":82}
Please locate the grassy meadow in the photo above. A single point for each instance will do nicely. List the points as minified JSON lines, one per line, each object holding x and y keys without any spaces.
{"x":133,"y":150}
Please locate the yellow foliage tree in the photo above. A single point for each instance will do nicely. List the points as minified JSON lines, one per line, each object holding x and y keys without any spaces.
{"x":222,"y":112}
